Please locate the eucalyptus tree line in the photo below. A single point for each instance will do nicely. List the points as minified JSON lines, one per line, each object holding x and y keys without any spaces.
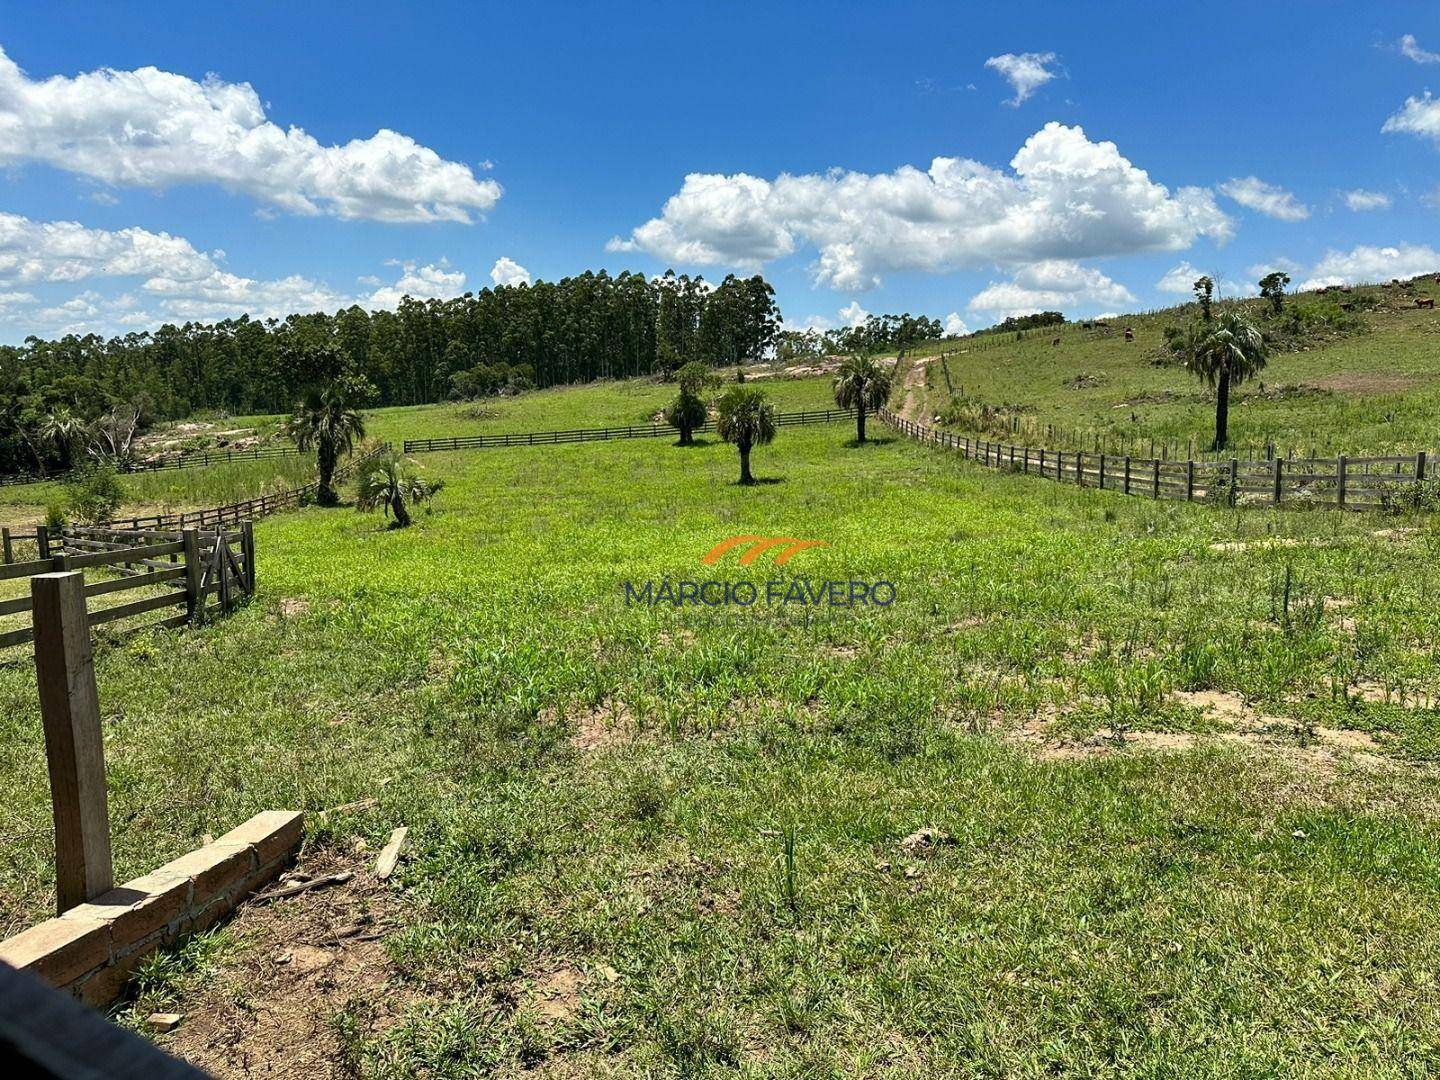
{"x":592,"y":326}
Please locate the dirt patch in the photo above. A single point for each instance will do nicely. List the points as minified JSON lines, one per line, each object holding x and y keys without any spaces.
{"x":607,"y":724}
{"x":1366,"y":382}
{"x":555,"y":997}
{"x":292,"y":607}
{"x":302,"y":961}
{"x":912,"y":388}
{"x":1264,"y":545}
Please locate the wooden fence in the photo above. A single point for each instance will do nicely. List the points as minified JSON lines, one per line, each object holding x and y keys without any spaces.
{"x":1362,"y":483}
{"x":577,"y":435}
{"x":188,"y":567}
{"x":194,"y":459}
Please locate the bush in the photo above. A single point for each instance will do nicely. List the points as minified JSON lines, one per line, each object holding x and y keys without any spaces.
{"x":1411,"y":495}
{"x":94,"y":495}
{"x":55,"y":517}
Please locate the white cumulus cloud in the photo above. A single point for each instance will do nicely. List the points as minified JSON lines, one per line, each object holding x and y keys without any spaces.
{"x":154,"y":129}
{"x":1180,"y":280}
{"x":428,"y":282}
{"x":507,"y":271}
{"x":1361,"y":200}
{"x":1255,"y":194}
{"x":38,"y":251}
{"x":1419,"y":116}
{"x":1051,"y":284}
{"x":852,"y":314}
{"x":954,"y":325}
{"x":1065,"y":197}
{"x":1369,"y":262}
{"x":1025,"y":72}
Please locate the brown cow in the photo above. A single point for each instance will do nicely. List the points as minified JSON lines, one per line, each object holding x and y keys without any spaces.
{"x":1055,"y":342}
{"x":1129,"y":333}
{"x":1424,"y":301}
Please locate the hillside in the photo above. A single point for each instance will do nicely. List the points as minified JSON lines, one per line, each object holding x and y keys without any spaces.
{"x":1371,"y":386}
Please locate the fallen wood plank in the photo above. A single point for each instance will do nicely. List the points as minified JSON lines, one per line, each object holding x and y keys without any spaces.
{"x":390,"y":853}
{"x":303,"y":886}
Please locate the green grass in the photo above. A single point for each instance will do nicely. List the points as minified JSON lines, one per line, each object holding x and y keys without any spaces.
{"x":1377,"y":390}
{"x":730,"y":848}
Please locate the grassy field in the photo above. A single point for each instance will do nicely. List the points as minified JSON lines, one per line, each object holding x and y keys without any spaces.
{"x":1180,"y":764}
{"x":1375,"y":388}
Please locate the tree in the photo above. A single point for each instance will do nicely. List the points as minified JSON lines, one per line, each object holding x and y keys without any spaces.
{"x":63,"y":430}
{"x":327,"y":422}
{"x":1204,"y":296}
{"x":1223,"y":354}
{"x":747,"y":419}
{"x":1272,"y":288}
{"x":688,"y":411}
{"x":390,"y":484}
{"x":862,"y":384}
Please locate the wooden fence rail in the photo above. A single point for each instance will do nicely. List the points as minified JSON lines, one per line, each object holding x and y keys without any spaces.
{"x":635,"y":431}
{"x":1360,"y":483}
{"x":189,"y":567}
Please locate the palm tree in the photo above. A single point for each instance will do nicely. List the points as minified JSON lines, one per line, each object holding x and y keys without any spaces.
{"x":389,"y":484}
{"x":329,"y":424}
{"x":746,"y":419}
{"x":863,"y":385}
{"x":63,"y":430}
{"x":1225,"y":352}
{"x":688,"y":410}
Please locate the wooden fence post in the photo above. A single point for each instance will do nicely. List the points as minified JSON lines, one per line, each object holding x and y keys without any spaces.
{"x":74,"y":750}
{"x":1127,"y":474}
{"x":1155,"y":478}
{"x":247,"y":552}
{"x":9,"y":551}
{"x":1279,"y":479}
{"x":42,"y":541}
{"x":1190,"y":480}
{"x":1420,"y":465}
{"x":194,"y":598}
{"x":1340,"y":481}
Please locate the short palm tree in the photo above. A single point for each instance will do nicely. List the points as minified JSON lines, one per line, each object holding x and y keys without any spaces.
{"x":863,"y":385}
{"x":388,"y":483}
{"x":688,"y":411}
{"x":1223,"y":353}
{"x":328,"y":423}
{"x":63,"y":430}
{"x":747,"y":419}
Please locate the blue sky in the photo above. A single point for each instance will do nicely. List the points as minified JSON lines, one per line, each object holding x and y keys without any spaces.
{"x":965,"y":159}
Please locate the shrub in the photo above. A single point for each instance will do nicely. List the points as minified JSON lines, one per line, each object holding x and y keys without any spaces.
{"x":55,"y":517}
{"x":94,"y":495}
{"x":1411,"y":495}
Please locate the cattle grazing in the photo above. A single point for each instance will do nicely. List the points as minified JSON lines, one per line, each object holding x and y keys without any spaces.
{"x":1424,"y":301}
{"x":1129,"y":333}
{"x":1055,"y":342}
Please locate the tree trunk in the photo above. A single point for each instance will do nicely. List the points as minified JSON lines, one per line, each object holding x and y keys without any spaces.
{"x":686,"y":438}
{"x":745,"y":477}
{"x":325,"y":460}
{"x":1222,"y":411}
{"x":860,"y":422}
{"x":402,"y":515}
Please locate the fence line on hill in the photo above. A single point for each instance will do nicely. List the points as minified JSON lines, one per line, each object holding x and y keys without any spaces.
{"x":634,"y":431}
{"x":193,"y":459}
{"x":1362,"y":483}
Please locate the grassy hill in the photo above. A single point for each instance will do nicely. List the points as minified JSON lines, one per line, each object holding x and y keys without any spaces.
{"x":1343,"y":382}
{"x":1179,"y":764}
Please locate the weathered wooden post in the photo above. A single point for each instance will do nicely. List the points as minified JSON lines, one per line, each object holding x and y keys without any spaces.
{"x":247,"y":552}
{"x":1155,"y":478}
{"x":1420,"y":465}
{"x":1234,"y":481}
{"x":194,"y":598}
{"x":42,"y":542}
{"x":1340,"y":481}
{"x":1190,"y":480}
{"x":1279,"y":479}
{"x":1127,"y":474}
{"x":70,"y":710}
{"x":9,"y":550}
